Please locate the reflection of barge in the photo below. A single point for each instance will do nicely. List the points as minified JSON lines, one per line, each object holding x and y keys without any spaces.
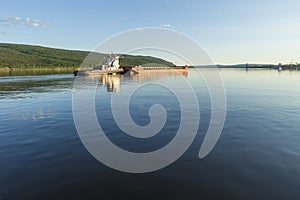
{"x":112,"y":83}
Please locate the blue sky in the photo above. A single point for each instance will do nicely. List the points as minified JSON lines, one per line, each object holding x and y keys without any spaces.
{"x":231,"y":31}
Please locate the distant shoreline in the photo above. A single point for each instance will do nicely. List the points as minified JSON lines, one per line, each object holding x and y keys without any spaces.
{"x":254,"y":66}
{"x":35,"y":71}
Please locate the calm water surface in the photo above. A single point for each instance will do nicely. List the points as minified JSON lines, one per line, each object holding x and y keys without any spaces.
{"x":257,"y":156}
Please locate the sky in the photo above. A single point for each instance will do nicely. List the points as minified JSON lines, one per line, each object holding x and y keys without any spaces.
{"x":231,"y":31}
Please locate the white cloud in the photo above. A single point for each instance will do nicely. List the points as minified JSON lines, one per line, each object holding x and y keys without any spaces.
{"x":35,"y":24}
{"x":17,"y":18}
{"x":165,"y":25}
{"x":14,"y":21}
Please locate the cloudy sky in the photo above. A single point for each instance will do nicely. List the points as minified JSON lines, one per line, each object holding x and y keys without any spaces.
{"x":231,"y":31}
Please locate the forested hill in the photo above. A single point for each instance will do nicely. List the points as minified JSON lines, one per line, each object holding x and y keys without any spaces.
{"x":20,"y":55}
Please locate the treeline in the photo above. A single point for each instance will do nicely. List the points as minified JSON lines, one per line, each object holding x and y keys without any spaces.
{"x":19,"y":55}
{"x":28,"y":56}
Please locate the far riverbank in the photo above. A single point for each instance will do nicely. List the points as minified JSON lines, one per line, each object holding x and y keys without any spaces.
{"x":35,"y":71}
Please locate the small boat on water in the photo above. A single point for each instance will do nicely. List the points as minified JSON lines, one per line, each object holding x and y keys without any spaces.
{"x":278,"y":67}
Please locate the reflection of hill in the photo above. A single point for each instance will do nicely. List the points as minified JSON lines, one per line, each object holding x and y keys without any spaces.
{"x":18,"y":87}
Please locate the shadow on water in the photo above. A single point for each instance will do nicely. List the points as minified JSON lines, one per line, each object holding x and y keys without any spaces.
{"x":22,"y":87}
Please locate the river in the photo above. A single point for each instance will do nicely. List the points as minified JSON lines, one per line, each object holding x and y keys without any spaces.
{"x":256,"y":157}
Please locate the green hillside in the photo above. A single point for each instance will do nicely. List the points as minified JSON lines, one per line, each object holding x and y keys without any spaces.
{"x":28,"y":56}
{"x":129,"y":60}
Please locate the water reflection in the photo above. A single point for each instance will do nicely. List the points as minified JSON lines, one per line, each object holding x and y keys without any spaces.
{"x":16,"y":87}
{"x":151,"y":75}
{"x":113,"y":82}
{"x":39,"y":114}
